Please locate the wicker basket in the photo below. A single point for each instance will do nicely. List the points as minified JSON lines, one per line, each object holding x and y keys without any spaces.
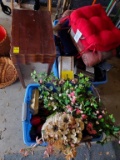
{"x":8,"y":73}
{"x":4,"y":42}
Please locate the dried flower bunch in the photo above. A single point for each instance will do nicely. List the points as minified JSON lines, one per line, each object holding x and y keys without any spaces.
{"x":63,"y":132}
{"x":76,"y":113}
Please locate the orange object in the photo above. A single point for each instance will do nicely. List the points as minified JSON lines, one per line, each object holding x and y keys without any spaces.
{"x":2,"y":33}
{"x":4,"y":42}
{"x":94,"y":1}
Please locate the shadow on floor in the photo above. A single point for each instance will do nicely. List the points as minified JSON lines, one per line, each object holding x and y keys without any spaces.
{"x":109,"y":151}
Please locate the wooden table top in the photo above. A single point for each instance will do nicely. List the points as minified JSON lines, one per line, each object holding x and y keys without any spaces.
{"x":32,"y":37}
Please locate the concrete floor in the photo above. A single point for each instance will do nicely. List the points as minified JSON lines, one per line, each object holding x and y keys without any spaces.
{"x":11,"y":98}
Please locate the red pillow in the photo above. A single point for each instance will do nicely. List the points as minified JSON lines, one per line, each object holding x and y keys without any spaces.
{"x":98,"y":31}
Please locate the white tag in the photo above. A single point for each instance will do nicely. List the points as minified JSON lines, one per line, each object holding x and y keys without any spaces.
{"x":90,"y":69}
{"x":77,"y":36}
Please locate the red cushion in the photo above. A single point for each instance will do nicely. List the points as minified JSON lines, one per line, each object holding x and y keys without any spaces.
{"x":97,"y":28}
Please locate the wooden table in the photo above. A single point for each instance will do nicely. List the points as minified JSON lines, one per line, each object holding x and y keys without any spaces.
{"x":32,"y":39}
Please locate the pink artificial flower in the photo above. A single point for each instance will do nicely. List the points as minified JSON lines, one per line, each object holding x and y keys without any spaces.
{"x":71,"y":94}
{"x":73,"y":100}
{"x":97,"y":112}
{"x":84,"y":116}
{"x":100,"y":116}
{"x":103,"y":112}
{"x":119,"y":141}
{"x":78,"y":111}
{"x":72,"y":145}
{"x":69,"y":108}
{"x":74,"y":81}
{"x":40,"y":81}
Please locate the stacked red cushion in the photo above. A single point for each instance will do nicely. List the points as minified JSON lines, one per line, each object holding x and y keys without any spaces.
{"x":98,"y":31}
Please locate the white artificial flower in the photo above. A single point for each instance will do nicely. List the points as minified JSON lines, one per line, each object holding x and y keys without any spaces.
{"x":80,"y":107}
{"x":67,"y":91}
{"x":54,"y":108}
{"x":97,"y":122}
{"x":81,"y":112}
{"x":51,"y":98}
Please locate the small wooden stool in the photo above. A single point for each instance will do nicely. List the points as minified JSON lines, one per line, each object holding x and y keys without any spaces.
{"x":32,"y":39}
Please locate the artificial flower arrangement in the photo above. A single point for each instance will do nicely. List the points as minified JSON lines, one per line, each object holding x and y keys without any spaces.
{"x":77,"y":114}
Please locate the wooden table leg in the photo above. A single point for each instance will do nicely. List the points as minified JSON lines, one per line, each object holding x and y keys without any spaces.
{"x":49,"y":5}
{"x":20,"y":75}
{"x":49,"y":68}
{"x":12,"y":4}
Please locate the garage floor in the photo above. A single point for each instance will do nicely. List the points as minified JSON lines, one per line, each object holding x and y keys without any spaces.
{"x":11,"y":99}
